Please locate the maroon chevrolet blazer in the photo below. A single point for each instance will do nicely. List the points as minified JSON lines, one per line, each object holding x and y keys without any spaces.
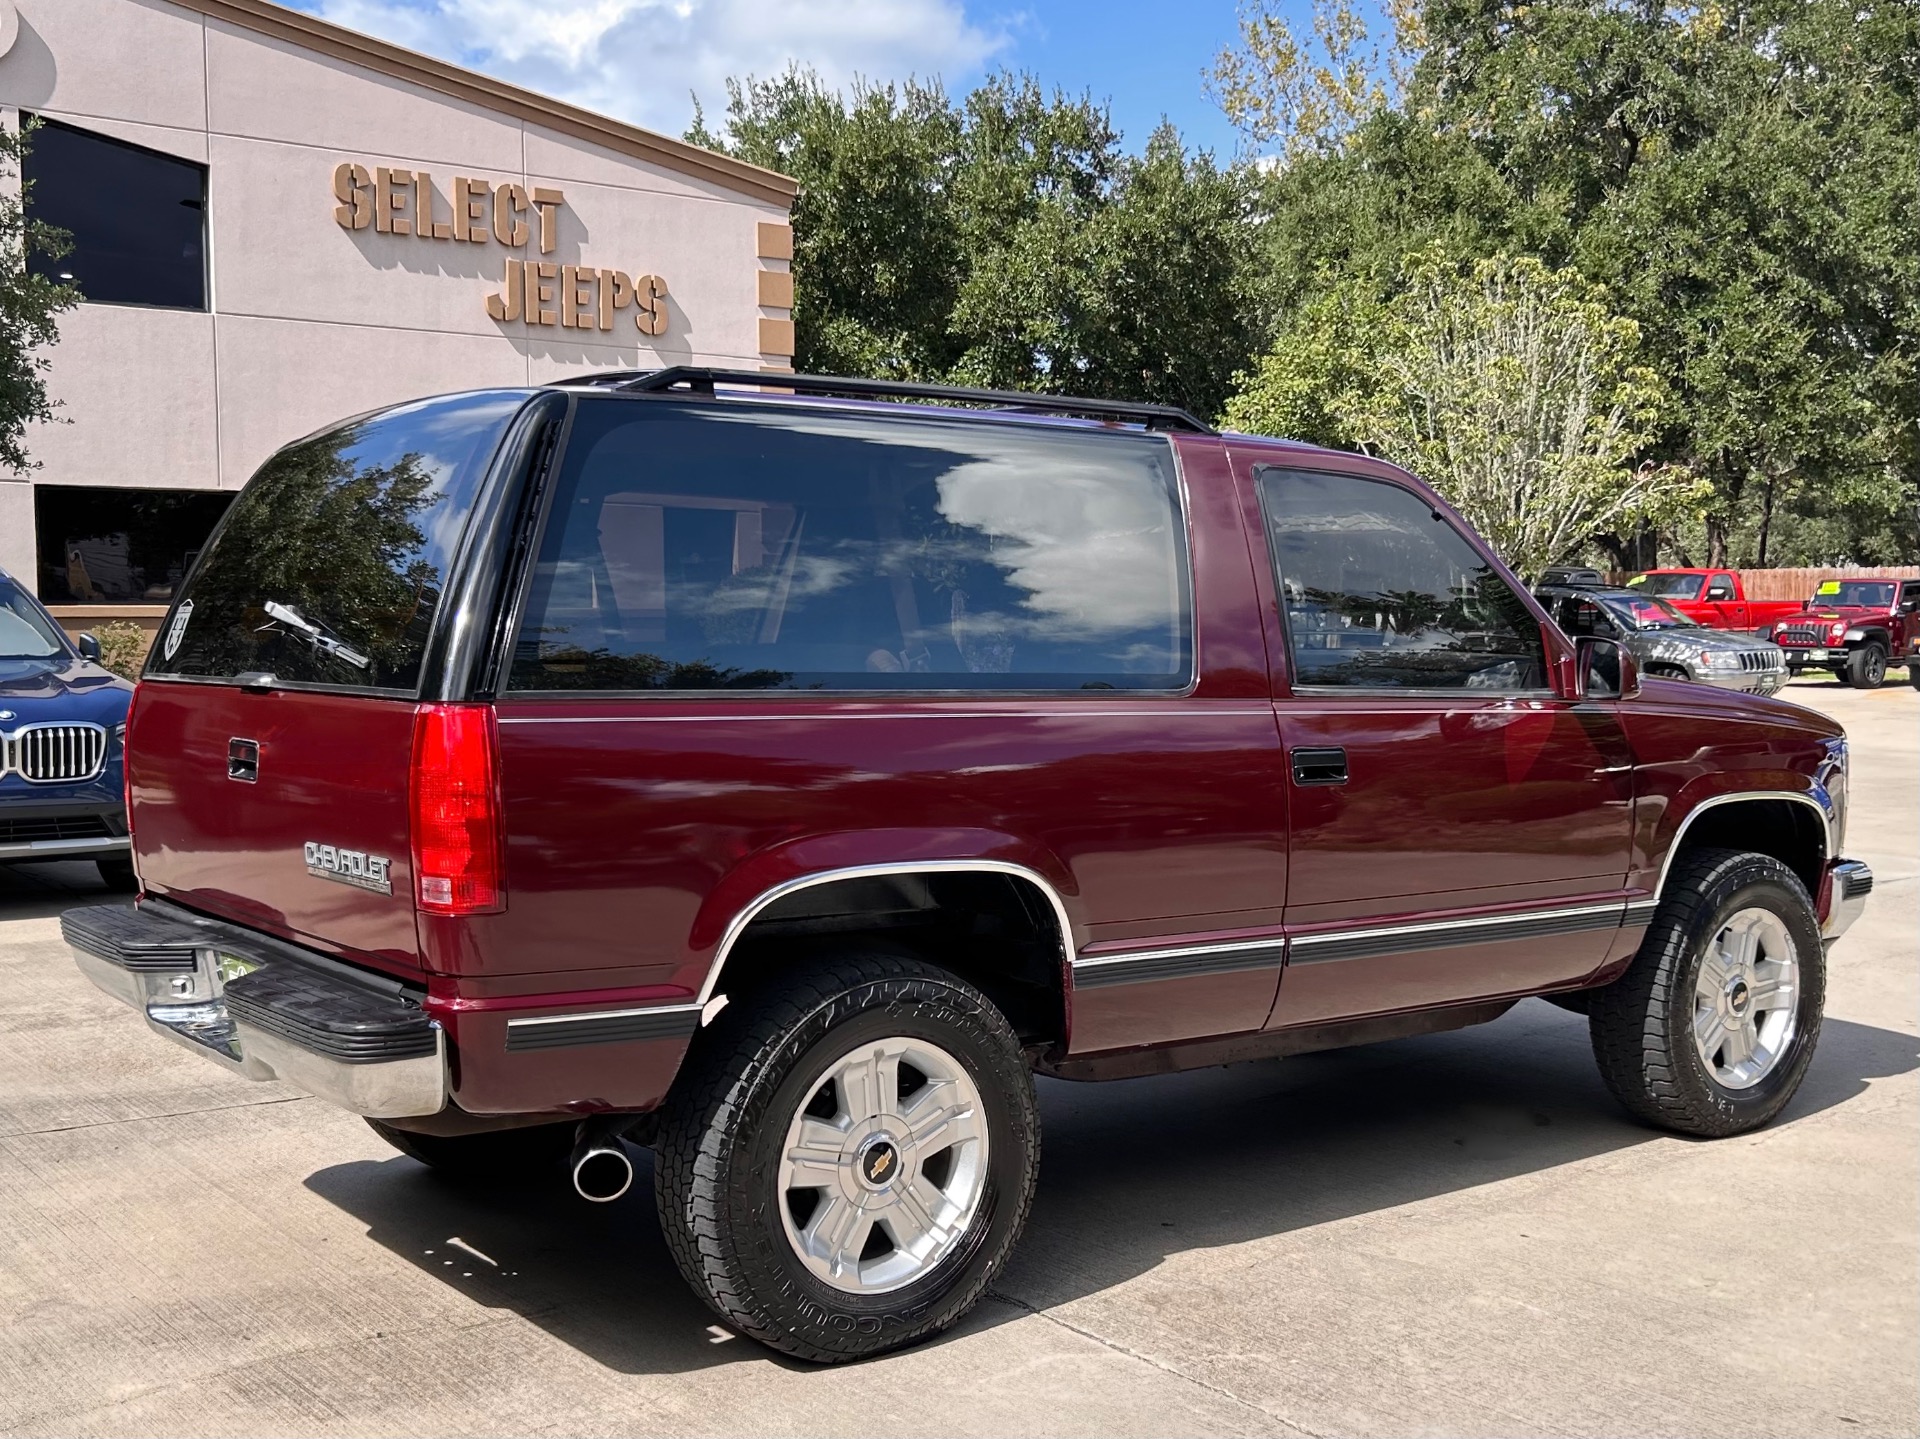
{"x":782,"y":778}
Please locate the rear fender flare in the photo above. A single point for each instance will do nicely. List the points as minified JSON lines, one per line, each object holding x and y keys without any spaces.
{"x":824,"y":859}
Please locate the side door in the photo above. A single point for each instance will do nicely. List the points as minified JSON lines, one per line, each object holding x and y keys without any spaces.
{"x":1460,"y":829}
{"x":1724,"y":609}
{"x":1906,"y":619}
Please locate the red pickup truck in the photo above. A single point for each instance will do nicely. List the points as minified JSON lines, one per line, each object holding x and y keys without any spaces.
{"x":782,"y":778}
{"x":1714,"y":598}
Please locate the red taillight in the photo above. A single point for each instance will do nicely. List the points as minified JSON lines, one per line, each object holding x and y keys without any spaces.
{"x":456,"y":812}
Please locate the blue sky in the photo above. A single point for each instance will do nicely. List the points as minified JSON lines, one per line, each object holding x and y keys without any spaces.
{"x":638,"y":59}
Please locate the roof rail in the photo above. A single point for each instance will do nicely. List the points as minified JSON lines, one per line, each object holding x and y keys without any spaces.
{"x":701,"y":380}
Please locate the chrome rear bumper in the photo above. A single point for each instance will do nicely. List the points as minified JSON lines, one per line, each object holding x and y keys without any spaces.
{"x":1852,"y":882}
{"x":359,"y":1046}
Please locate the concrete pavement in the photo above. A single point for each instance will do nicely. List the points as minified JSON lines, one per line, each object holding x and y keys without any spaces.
{"x":1458,"y":1234}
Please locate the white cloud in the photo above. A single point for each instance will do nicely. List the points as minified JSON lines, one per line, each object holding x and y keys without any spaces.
{"x":639,"y":60}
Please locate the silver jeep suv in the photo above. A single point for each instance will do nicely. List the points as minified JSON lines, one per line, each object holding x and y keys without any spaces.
{"x":1667,"y":644}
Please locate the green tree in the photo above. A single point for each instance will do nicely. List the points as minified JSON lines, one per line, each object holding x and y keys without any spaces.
{"x":1741,"y":177}
{"x":1511,"y":388}
{"x":29,"y":303}
{"x":1006,"y":240}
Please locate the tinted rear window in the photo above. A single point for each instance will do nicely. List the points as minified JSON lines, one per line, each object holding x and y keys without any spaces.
{"x":768,"y":548}
{"x":329,"y":567}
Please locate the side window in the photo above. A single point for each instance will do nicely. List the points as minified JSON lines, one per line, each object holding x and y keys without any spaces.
{"x":766,"y":547}
{"x":135,"y":218}
{"x":1910,"y":596}
{"x":1577,"y":616}
{"x":1720,"y":587}
{"x":1380,"y":592}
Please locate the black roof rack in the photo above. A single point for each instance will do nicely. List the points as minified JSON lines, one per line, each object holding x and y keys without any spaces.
{"x":701,"y":380}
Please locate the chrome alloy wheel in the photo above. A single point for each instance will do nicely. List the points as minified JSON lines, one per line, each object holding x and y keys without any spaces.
{"x":1746,"y":999}
{"x":884,"y":1166}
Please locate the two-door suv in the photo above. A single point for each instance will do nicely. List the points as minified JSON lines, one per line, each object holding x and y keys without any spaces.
{"x":781,"y":777}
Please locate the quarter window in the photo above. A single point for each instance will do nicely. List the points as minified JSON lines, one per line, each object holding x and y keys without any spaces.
{"x":135,"y":219}
{"x":785,"y":548}
{"x":1380,"y":591}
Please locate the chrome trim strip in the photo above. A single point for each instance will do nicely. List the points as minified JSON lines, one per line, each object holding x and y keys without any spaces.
{"x":53,"y":848}
{"x":1179,"y":962}
{"x":1334,"y":946}
{"x":604,"y":1026}
{"x":737,"y":926}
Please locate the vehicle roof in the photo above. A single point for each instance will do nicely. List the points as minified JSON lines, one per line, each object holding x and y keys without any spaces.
{"x":1588,"y":587}
{"x":605,"y":385}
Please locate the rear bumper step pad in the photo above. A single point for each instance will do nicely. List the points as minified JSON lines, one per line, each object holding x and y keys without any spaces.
{"x":360,"y":1041}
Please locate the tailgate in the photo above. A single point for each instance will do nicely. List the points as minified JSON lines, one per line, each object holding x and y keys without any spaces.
{"x":331,"y":774}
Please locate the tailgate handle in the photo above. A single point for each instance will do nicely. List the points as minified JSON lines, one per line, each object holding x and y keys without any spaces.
{"x":243,"y":760}
{"x":1319,"y":766}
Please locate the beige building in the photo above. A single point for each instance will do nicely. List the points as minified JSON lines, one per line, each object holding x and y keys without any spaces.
{"x":279,"y":223}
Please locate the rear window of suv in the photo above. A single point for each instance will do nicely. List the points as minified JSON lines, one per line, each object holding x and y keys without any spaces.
{"x":328,"y":569}
{"x":774,"y":547}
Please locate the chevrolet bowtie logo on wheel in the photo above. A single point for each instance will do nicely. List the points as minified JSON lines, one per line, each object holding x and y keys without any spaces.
{"x":349,"y":866}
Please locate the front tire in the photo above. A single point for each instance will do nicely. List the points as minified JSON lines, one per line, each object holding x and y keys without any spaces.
{"x":1867,"y":666}
{"x":850,"y":1158}
{"x":1712,"y":1027}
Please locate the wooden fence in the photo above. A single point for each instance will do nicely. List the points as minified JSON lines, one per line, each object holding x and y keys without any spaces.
{"x":1800,"y":584}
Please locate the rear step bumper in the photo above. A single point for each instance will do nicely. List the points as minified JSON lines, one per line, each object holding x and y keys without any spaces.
{"x":266,"y":1010}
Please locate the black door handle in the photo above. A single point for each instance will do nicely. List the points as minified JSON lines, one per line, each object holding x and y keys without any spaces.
{"x":1319,"y":766}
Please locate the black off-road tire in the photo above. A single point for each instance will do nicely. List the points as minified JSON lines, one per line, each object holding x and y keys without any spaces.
{"x":721,"y":1137}
{"x":1641,"y":1024}
{"x":498,"y":1155}
{"x":1867,"y":666}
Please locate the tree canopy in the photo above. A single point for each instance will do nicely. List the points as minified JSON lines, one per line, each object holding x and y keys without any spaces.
{"x":1735,"y":182}
{"x":1006,"y":240}
{"x":1739,"y":177}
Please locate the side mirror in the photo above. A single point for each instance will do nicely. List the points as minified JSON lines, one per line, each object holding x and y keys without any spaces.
{"x":1719,"y":593}
{"x":1604,"y":669}
{"x":89,"y":648}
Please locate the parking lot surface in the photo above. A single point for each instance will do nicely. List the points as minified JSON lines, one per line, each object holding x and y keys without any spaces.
{"x":1456,"y":1234}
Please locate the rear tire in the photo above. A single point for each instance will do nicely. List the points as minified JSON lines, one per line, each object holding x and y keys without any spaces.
{"x":851,"y":1075}
{"x":499,"y":1154}
{"x":1669,"y":1033}
{"x":117,"y":874}
{"x":1867,"y":666}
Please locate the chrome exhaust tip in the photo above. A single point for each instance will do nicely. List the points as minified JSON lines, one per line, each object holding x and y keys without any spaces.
{"x":601,"y":1171}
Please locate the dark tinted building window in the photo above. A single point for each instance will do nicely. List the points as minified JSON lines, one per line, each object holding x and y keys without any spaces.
{"x":100,"y":546}
{"x":328,"y":570}
{"x":762,"y":547}
{"x":1381,"y":592}
{"x":136,"y":219}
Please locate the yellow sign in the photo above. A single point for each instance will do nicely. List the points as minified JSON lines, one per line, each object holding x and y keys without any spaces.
{"x":473,"y":211}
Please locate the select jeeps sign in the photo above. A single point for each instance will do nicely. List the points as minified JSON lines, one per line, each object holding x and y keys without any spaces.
{"x":477,"y":212}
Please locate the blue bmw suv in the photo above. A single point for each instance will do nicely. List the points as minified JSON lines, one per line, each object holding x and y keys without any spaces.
{"x":63,"y":722}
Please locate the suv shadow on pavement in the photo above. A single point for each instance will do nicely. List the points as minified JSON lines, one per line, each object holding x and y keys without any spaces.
{"x":1248,"y":1152}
